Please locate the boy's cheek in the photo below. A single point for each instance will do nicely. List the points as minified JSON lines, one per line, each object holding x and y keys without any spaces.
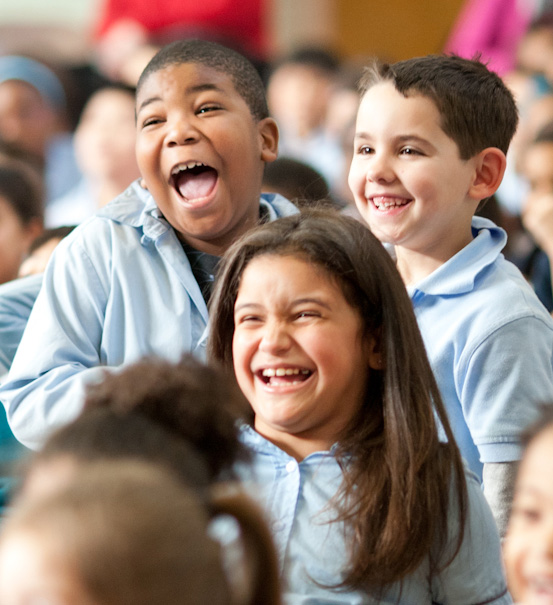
{"x":356,"y":179}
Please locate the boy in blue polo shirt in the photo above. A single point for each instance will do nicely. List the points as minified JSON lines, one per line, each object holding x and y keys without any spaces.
{"x":134,"y":279}
{"x":430,"y":145}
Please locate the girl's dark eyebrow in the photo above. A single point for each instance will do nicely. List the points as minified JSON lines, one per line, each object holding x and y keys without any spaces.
{"x":245,"y":306}
{"x":299,"y":301}
{"x":317,"y":301}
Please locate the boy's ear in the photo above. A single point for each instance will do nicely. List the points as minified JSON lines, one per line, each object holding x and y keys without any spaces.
{"x":490,"y":167}
{"x":268,"y":132}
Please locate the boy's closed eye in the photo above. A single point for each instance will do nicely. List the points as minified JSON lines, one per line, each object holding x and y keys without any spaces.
{"x":151,"y":122}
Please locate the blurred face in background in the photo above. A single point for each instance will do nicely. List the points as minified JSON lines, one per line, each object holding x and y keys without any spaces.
{"x":105,"y":137}
{"x":298,"y":97}
{"x":528,"y":545}
{"x":26,"y":119}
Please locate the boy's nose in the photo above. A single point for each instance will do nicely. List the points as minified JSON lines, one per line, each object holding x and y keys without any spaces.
{"x":182,"y":133}
{"x":275,"y":338}
{"x":380,"y":170}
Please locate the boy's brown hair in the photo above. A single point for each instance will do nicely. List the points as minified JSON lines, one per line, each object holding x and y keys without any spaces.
{"x":477,"y":109}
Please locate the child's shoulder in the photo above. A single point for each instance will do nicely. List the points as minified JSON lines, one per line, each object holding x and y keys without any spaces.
{"x":129,"y":206}
{"x":120,"y":228}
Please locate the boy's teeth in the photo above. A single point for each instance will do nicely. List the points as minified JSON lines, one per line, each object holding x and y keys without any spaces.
{"x":387,"y":202}
{"x":270,"y":372}
{"x":186,"y":166}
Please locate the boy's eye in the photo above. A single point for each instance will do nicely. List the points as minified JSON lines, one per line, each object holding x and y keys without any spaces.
{"x":208,"y":108}
{"x":410,"y":151}
{"x":150,"y":122}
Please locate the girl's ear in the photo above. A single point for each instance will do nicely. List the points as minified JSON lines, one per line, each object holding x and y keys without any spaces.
{"x":489,"y":170}
{"x":373,"y":353}
{"x":268,"y":133}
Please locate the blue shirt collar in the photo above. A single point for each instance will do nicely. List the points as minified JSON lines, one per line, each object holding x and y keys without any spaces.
{"x":459,"y":273}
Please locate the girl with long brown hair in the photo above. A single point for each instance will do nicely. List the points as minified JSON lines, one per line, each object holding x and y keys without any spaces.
{"x":367,"y":503}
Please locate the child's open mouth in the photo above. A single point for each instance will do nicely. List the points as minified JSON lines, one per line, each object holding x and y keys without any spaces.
{"x":283,"y":376}
{"x":193,"y":180}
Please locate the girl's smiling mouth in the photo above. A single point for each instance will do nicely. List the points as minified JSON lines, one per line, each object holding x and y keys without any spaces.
{"x":283,"y":376}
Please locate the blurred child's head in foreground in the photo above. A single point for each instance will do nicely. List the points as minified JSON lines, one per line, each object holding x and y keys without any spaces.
{"x":181,"y":416}
{"x":130,"y":533}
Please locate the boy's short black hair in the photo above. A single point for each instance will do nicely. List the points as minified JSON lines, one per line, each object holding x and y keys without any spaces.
{"x":476,"y":107}
{"x":241,"y":71}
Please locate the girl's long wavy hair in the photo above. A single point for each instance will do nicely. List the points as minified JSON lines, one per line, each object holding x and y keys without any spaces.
{"x":398,"y":478}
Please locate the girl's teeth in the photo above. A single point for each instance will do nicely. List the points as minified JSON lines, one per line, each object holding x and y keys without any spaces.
{"x":270,"y":372}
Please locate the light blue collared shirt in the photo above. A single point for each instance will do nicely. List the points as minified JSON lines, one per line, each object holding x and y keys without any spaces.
{"x":490,"y":343}
{"x":118,"y":288}
{"x":17,"y":298}
{"x":295,"y":497}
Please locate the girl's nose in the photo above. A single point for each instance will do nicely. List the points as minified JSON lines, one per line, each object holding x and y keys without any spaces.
{"x":275,"y":338}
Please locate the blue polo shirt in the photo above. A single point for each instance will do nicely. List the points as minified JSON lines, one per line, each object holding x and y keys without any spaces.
{"x":490,"y":343}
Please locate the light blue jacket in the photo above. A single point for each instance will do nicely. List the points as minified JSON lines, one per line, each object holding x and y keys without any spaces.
{"x":490,"y":343}
{"x":118,"y":288}
{"x":295,"y":497}
{"x":17,"y":298}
